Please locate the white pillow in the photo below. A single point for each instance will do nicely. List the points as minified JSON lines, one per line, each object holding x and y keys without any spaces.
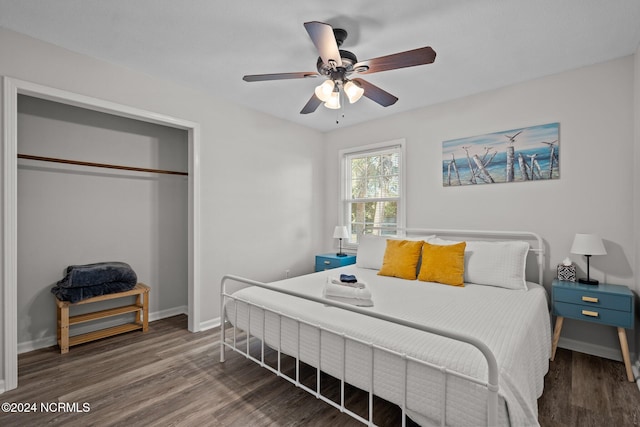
{"x":371,"y":249}
{"x":499,"y":264}
{"x":438,"y":241}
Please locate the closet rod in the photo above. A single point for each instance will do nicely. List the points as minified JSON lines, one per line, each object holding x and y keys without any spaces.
{"x":98,"y":165}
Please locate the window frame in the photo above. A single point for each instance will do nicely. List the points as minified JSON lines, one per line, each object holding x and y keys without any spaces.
{"x":396,"y":145}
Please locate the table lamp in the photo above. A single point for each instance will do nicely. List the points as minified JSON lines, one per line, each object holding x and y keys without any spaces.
{"x":587,"y":245}
{"x":341,"y":232}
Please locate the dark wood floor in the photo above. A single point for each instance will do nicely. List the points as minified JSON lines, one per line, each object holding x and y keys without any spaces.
{"x":588,"y":391}
{"x":169,"y":376}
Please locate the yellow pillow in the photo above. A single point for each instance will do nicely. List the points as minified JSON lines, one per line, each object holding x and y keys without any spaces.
{"x":443,"y":264}
{"x":401,"y":259}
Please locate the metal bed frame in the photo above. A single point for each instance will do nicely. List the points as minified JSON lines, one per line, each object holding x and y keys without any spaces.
{"x":491,"y":384}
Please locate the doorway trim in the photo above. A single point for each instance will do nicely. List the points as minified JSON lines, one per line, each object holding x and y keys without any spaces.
{"x":11,"y":88}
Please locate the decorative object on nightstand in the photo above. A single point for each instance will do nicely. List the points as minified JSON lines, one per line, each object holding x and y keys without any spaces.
{"x":340,"y":232}
{"x":587,"y":245}
{"x":605,"y":304}
{"x":567,"y":271}
{"x":329,"y":261}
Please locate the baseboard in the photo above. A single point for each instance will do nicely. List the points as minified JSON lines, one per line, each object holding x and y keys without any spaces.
{"x":170,"y":312}
{"x":2,"y":389}
{"x":210,"y":324}
{"x":592,"y":349}
{"x":44,"y":342}
{"x":49,"y":341}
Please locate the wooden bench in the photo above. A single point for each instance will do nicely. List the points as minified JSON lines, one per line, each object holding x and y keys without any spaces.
{"x":140,"y":308}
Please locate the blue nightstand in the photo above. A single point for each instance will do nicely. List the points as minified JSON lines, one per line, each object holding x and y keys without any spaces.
{"x":605,"y":304}
{"x":329,"y":261}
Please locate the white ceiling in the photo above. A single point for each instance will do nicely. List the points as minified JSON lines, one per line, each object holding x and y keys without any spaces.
{"x":211,"y":44}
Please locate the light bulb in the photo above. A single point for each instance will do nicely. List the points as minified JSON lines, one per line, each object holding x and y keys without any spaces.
{"x":353,"y":90}
{"x":323,"y":91}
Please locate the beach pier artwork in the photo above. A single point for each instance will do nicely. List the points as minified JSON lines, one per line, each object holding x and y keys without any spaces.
{"x":516,"y":155}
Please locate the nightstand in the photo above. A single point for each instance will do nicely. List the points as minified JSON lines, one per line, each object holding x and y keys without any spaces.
{"x":604,"y":303}
{"x":329,"y":261}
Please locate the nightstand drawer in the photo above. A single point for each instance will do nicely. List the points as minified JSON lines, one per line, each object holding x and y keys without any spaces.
{"x":594,"y":299}
{"x":601,"y":315}
{"x":329,"y":261}
{"x":326,"y":263}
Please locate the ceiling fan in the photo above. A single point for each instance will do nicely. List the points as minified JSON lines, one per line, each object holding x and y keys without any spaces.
{"x":337,"y":66}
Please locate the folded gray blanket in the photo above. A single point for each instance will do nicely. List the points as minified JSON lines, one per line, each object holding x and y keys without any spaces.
{"x":91,"y":280}
{"x":97,"y":274}
{"x":74,"y":295}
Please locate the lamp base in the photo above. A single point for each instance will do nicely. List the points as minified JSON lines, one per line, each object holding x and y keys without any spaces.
{"x":341,"y":254}
{"x":588,"y":281}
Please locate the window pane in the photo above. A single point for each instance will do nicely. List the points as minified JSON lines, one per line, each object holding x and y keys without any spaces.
{"x":373,"y":188}
{"x":389,"y":186}
{"x":377,"y":218}
{"x":358,"y":188}
{"x":375,"y":176}
{"x":358,"y":168}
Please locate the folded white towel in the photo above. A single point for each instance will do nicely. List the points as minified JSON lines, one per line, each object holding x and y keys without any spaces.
{"x":337,"y":281}
{"x":353,"y":301}
{"x":348,"y":294}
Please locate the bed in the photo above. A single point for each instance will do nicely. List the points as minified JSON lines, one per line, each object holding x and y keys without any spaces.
{"x":446,"y":355}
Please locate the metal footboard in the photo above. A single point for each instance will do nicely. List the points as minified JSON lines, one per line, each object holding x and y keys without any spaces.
{"x":231,"y":342}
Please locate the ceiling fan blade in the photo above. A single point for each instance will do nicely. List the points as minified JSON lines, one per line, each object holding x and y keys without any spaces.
{"x":376,"y":94}
{"x":325,"y":41}
{"x":410,"y":58}
{"x":279,"y":76}
{"x":311,"y":106}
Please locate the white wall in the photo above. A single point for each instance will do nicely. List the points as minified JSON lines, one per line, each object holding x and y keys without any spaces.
{"x":594,"y":193}
{"x":262,"y":179}
{"x":77,"y":215}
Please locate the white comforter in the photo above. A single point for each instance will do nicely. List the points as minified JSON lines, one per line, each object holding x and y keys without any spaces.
{"x":514,"y":324}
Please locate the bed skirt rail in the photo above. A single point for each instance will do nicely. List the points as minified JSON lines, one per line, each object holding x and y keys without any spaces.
{"x":231,"y":342}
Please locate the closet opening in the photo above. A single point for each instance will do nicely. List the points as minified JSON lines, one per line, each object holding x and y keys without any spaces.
{"x":73,"y":212}
{"x":145,"y":218}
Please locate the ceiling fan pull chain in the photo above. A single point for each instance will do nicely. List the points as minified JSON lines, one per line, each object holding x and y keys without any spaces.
{"x":340,"y":111}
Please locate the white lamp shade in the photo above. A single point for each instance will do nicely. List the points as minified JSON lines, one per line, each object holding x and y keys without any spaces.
{"x":323,"y":91}
{"x":354,"y":91}
{"x":334,"y":101}
{"x":588,"y":244}
{"x":340,"y":232}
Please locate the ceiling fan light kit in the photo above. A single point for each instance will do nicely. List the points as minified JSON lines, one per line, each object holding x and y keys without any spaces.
{"x":337,"y":65}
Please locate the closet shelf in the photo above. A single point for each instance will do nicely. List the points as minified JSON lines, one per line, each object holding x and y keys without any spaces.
{"x":98,"y":165}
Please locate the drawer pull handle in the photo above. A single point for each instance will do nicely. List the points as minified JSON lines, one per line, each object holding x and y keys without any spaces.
{"x":589,"y":299}
{"x":590,"y":313}
{"x":327,"y":262}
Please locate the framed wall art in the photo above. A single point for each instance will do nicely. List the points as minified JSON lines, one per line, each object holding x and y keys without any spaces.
{"x":516,"y":155}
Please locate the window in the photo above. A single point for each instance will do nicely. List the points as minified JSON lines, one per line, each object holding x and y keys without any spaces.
{"x":373,"y":189}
